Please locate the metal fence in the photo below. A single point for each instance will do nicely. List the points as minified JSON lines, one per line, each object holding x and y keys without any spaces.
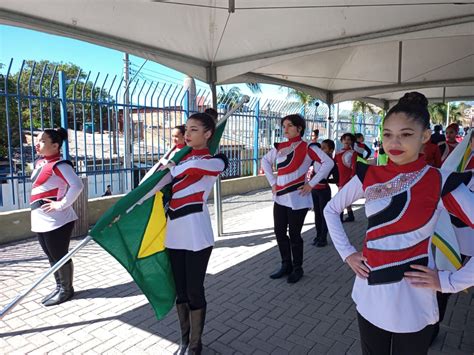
{"x":117,"y":131}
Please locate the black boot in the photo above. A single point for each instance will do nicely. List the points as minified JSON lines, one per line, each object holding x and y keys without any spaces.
{"x":66,"y":290}
{"x":341,"y":216}
{"x":184,"y":324}
{"x":56,"y":290}
{"x":297,"y":253}
{"x":296,"y":275}
{"x":350,"y":216}
{"x":285,"y":269}
{"x":198,"y":318}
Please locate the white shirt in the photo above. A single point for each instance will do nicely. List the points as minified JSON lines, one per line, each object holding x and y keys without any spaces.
{"x":189,"y":224}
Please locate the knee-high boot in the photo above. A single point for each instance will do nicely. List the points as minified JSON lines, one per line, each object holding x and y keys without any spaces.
{"x":56,"y":290}
{"x":185,"y":326}
{"x":198,"y":317}
{"x":66,"y":291}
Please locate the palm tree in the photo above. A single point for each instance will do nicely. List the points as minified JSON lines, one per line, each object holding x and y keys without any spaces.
{"x":364,"y":107}
{"x":229,"y":98}
{"x":303,"y":98}
{"x":255,"y":88}
{"x":437,"y":112}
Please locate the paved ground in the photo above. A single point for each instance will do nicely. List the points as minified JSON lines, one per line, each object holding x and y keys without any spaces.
{"x":248,"y":312}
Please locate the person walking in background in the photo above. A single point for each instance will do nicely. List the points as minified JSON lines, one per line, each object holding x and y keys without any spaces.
{"x":108,"y":191}
{"x":55,"y":187}
{"x":291,"y":192}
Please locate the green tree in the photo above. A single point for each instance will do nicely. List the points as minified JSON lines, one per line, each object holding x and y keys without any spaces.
{"x":437,"y":112}
{"x":8,"y":86}
{"x":303,"y":98}
{"x":35,"y":81}
{"x":364,"y":107}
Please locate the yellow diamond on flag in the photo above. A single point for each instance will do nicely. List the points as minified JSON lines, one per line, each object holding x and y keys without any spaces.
{"x":155,"y":232}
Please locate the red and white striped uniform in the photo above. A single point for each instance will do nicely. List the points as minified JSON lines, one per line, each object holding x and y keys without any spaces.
{"x":402,"y":205}
{"x":446,"y":148}
{"x":293,"y":159}
{"x":346,"y":160}
{"x":53,"y":179}
{"x":189,"y":224}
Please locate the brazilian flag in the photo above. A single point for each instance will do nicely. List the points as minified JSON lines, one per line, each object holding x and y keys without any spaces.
{"x":133,"y":232}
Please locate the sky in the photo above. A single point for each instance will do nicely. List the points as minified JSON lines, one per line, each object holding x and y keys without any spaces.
{"x":22,"y":44}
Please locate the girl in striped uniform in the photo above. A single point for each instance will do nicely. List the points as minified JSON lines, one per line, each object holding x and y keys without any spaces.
{"x":189,"y":236}
{"x":291,"y":192}
{"x":177,"y":139}
{"x":55,"y":187}
{"x":448,"y":146}
{"x":321,"y":195}
{"x":403,"y":202}
{"x":346,"y":160}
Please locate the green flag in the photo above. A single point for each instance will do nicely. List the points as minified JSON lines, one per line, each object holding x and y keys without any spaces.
{"x":382,"y":158}
{"x":353,"y":128}
{"x":133,"y":232}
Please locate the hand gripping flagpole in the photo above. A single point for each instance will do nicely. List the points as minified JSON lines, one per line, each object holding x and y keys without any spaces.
{"x":86,"y":240}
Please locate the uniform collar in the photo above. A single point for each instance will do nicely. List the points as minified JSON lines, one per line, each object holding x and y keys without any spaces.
{"x":416,"y":165}
{"x":294,"y":139}
{"x":52,"y":157}
{"x":204,"y":151}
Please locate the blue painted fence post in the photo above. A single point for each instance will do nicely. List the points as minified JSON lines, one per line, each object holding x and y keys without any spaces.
{"x":63,"y":109}
{"x":255,"y":138}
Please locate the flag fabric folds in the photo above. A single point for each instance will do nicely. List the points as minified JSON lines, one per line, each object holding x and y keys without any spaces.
{"x":447,"y":254}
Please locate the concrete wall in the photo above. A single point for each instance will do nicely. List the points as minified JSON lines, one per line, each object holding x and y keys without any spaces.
{"x":15,"y":225}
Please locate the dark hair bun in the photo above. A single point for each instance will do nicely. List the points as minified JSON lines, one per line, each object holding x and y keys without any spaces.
{"x":414,"y":98}
{"x":62,"y":133}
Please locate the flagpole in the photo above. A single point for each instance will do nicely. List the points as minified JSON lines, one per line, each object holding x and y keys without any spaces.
{"x":52,"y":270}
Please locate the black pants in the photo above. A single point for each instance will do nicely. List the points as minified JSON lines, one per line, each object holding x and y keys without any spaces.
{"x":320,"y":200}
{"x":286,"y":219}
{"x":189,"y":271}
{"x":55,"y":243}
{"x":376,"y":341}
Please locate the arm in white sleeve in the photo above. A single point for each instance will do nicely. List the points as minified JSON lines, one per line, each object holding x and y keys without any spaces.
{"x":213,"y":166}
{"x":267,"y":165}
{"x":326,"y":166}
{"x":452,"y":282}
{"x":351,"y":192}
{"x":67,"y":173}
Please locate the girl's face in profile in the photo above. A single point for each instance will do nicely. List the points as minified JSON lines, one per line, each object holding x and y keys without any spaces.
{"x":290,"y":130}
{"x":196,"y":136}
{"x":451,"y":135}
{"x":177,"y":137}
{"x":44,"y":146}
{"x":403,"y":138}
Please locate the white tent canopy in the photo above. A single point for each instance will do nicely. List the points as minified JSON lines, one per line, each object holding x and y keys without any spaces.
{"x":336,"y":50}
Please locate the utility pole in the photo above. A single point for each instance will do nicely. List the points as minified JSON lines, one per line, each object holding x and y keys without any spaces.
{"x":126,"y":121}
